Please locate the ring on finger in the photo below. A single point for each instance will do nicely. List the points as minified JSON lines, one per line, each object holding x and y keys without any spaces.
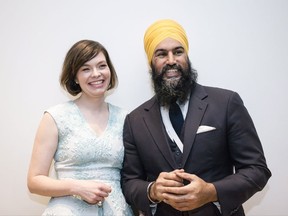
{"x":100,"y":203}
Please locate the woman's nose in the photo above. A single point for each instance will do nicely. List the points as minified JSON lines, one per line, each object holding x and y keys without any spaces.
{"x":96,"y":73}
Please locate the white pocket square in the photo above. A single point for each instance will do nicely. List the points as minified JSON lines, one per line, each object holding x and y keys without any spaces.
{"x":204,"y":128}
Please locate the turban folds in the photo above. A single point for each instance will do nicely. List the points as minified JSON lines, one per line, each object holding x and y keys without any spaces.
{"x":161,"y":30}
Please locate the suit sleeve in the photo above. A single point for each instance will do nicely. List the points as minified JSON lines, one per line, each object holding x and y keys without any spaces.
{"x":133,"y":176}
{"x":251,"y":171}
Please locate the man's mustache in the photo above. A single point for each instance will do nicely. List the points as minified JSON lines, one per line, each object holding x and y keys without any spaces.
{"x":169,"y":67}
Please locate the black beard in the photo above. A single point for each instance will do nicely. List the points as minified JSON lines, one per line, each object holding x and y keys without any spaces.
{"x":168,"y":91}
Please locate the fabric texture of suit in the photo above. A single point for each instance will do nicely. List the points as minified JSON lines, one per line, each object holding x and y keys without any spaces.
{"x":231,"y":156}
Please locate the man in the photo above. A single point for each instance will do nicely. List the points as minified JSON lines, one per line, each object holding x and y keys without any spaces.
{"x":210,"y":164}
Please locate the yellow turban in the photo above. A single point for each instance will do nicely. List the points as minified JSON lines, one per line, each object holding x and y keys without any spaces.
{"x":161,"y":30}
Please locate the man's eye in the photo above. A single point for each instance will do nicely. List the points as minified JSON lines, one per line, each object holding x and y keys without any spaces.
{"x":161,"y":54}
{"x":179,"y":52}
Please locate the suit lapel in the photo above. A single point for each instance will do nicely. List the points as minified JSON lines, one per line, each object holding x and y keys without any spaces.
{"x":193,"y":119}
{"x":152,"y":119}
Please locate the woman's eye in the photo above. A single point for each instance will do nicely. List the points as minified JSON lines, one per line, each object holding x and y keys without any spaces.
{"x":86,"y":69}
{"x":103,"y":66}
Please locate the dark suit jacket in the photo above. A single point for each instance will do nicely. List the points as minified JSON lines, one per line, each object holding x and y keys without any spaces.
{"x":231,"y":157}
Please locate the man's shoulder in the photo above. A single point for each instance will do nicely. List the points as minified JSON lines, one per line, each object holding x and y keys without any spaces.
{"x":145,"y":106}
{"x":213,"y":90}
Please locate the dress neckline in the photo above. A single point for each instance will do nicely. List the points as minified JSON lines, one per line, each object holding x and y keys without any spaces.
{"x":83,"y":119}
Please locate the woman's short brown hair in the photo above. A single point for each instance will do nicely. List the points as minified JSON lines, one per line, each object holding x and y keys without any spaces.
{"x":77,"y":56}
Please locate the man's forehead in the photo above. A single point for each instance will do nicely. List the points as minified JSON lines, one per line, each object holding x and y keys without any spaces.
{"x":168,"y":44}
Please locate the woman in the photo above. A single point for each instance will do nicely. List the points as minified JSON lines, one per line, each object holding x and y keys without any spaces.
{"x":84,"y":137}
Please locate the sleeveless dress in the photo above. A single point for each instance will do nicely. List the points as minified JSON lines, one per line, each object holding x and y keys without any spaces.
{"x":82,"y":154}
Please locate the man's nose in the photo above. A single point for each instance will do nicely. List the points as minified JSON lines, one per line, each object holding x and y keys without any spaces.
{"x":171,"y":60}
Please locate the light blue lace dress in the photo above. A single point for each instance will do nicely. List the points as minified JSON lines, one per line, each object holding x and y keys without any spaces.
{"x":81,"y":154}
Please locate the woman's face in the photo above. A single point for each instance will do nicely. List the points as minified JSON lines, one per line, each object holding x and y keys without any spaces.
{"x":94,"y":76}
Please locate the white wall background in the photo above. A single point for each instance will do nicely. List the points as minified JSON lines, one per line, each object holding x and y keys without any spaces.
{"x":241,"y":45}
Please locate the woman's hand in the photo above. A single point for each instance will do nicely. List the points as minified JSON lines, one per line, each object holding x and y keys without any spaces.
{"x":91,"y":191}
